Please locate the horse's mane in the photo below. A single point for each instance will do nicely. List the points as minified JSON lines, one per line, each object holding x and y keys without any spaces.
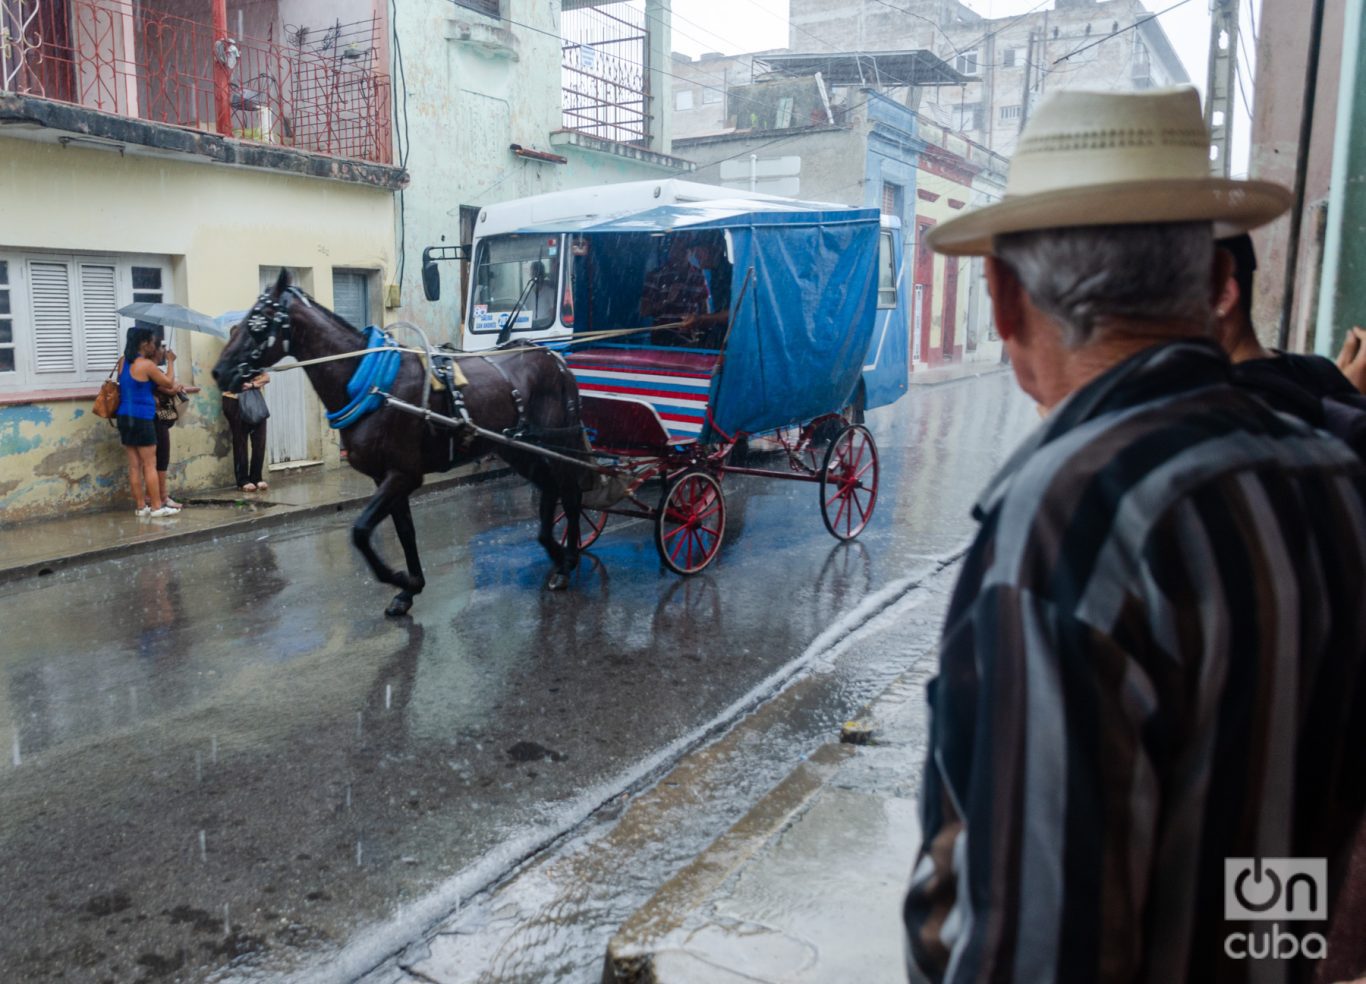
{"x":314,"y":302}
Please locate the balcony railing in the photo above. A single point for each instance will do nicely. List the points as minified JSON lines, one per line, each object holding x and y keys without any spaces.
{"x":605,"y":84}
{"x":315,"y":91}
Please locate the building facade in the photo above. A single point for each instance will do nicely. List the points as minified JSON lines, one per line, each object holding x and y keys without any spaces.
{"x":872,"y":150}
{"x":149,"y":155}
{"x":1007,"y":63}
{"x":185,"y":151}
{"x":510,"y":98}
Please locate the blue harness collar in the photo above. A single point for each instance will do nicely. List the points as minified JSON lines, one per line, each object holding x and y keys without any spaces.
{"x":377,"y":370}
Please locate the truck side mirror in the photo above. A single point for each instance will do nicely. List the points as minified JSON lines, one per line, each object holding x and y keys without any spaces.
{"x":431,"y":278}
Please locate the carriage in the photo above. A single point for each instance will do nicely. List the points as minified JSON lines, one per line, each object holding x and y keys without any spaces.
{"x":805,"y":328}
{"x":810,"y":332}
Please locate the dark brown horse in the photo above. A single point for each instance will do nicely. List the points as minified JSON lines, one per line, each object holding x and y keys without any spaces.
{"x":528,"y":391}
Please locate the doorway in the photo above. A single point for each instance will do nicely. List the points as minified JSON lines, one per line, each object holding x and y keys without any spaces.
{"x":291,"y":399}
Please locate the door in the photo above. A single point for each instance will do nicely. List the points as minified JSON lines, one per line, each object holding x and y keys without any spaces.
{"x":950,"y":305}
{"x":291,"y":400}
{"x":918,"y":313}
{"x":924,"y":287}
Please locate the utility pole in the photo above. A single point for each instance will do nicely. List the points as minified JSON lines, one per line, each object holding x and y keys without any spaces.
{"x":1028,"y":71}
{"x":1221,"y":80}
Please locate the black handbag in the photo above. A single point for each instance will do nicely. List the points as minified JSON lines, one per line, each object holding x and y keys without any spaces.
{"x":252,"y":409}
{"x":167,"y":411}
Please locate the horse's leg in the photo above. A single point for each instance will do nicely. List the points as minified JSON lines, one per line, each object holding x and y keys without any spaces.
{"x":571,"y":497}
{"x":402,"y":515}
{"x":559,"y":578}
{"x":394,"y":488}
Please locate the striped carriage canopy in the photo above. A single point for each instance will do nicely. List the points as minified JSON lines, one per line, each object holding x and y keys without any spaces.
{"x":803,"y":297}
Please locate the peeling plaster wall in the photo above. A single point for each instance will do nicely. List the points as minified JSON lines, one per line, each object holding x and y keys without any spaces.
{"x":475,"y":85}
{"x":219,"y":225}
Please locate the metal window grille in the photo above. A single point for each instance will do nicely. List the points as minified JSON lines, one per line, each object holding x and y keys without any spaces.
{"x":487,"y":7}
{"x":8,"y":361}
{"x":316,"y":90}
{"x":603,"y":69}
{"x":891,"y":195}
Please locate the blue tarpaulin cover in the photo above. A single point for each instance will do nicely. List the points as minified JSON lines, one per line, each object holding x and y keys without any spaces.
{"x":803,"y":300}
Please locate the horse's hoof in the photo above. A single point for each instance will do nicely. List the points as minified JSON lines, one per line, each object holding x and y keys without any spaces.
{"x":557,"y":582}
{"x":399,"y":606}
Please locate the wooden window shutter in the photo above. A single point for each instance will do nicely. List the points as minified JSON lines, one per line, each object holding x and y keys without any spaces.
{"x":50,"y":300}
{"x":99,"y":317}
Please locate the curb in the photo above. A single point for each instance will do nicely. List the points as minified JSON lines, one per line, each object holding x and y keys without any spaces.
{"x":990,"y":370}
{"x":264,"y":520}
{"x":630,"y":952}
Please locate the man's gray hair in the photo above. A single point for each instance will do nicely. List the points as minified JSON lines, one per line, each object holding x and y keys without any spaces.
{"x":1083,"y":275}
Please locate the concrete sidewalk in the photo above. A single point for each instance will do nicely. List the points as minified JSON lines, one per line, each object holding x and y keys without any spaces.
{"x":807,"y":887}
{"x":42,"y":547}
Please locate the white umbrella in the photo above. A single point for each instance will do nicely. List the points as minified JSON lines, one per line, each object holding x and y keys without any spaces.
{"x":175,"y":316}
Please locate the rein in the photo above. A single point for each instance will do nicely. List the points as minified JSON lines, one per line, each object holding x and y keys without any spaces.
{"x":581,"y":339}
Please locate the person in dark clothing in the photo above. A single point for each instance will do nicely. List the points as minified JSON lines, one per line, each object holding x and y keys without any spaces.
{"x":1310,"y":387}
{"x":247,"y":472}
{"x":1154,"y":659}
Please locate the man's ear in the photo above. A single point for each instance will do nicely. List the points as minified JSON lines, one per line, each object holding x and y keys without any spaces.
{"x":1224,"y":290}
{"x":1007,"y":297}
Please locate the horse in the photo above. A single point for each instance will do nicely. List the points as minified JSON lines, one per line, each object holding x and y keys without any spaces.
{"x":526,"y":391}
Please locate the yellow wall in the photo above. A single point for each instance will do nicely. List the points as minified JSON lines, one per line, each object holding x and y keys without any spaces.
{"x":219,"y":225}
{"x":940,"y":211}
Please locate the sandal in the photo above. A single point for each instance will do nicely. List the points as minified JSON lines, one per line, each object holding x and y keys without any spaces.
{"x":249,"y":487}
{"x":262,"y":486}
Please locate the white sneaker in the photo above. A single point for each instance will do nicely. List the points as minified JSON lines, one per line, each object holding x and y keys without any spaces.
{"x":163,"y":512}
{"x":143,"y":513}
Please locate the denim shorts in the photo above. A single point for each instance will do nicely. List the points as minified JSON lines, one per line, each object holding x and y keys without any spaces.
{"x":137,"y":433}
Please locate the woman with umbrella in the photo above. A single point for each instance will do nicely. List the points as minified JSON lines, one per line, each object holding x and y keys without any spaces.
{"x":139,"y":382}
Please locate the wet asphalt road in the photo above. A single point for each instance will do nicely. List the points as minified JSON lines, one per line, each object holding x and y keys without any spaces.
{"x":223,"y":755}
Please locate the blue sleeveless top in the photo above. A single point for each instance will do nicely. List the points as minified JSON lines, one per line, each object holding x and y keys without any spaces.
{"x":136,"y":399}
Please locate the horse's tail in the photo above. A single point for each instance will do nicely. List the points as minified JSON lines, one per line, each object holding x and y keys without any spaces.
{"x":569,"y":400}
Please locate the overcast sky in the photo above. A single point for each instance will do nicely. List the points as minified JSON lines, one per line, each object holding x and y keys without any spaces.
{"x":735,"y":26}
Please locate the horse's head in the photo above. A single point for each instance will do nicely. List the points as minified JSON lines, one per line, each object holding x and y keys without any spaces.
{"x":261,"y":339}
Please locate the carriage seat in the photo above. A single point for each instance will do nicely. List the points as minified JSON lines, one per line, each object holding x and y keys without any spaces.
{"x":644,"y":358}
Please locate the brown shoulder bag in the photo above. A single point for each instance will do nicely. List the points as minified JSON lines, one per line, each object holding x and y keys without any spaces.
{"x":107,"y":399}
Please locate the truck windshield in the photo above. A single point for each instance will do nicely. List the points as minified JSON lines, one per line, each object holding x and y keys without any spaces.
{"x":503,"y":267}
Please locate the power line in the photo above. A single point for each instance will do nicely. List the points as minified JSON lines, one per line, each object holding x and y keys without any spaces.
{"x":1114,"y":34}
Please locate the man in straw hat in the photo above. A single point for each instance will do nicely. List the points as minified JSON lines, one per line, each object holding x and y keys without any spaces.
{"x":1153,"y":660}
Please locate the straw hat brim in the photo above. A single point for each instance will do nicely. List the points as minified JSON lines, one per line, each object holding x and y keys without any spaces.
{"x":1233,"y":207}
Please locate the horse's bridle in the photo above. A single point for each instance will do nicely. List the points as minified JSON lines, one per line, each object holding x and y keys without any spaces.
{"x":268,"y":320}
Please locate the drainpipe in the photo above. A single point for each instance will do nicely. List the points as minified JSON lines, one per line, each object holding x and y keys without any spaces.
{"x":1292,"y":248}
{"x":224,"y":60}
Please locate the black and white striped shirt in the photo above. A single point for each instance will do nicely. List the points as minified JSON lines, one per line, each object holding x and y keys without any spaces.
{"x":1155,"y":658}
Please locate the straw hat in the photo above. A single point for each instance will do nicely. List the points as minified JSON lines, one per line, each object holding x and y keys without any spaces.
{"x":1112,"y":158}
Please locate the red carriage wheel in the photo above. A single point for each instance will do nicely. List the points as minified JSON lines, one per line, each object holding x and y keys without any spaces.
{"x":849,"y":482}
{"x":591,"y":522}
{"x":691,"y":522}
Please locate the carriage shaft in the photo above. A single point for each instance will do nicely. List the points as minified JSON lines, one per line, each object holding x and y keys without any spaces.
{"x":438,"y":418}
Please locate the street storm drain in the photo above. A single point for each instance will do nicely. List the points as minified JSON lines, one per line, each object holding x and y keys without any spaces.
{"x":247,"y":505}
{"x":529,"y":751}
